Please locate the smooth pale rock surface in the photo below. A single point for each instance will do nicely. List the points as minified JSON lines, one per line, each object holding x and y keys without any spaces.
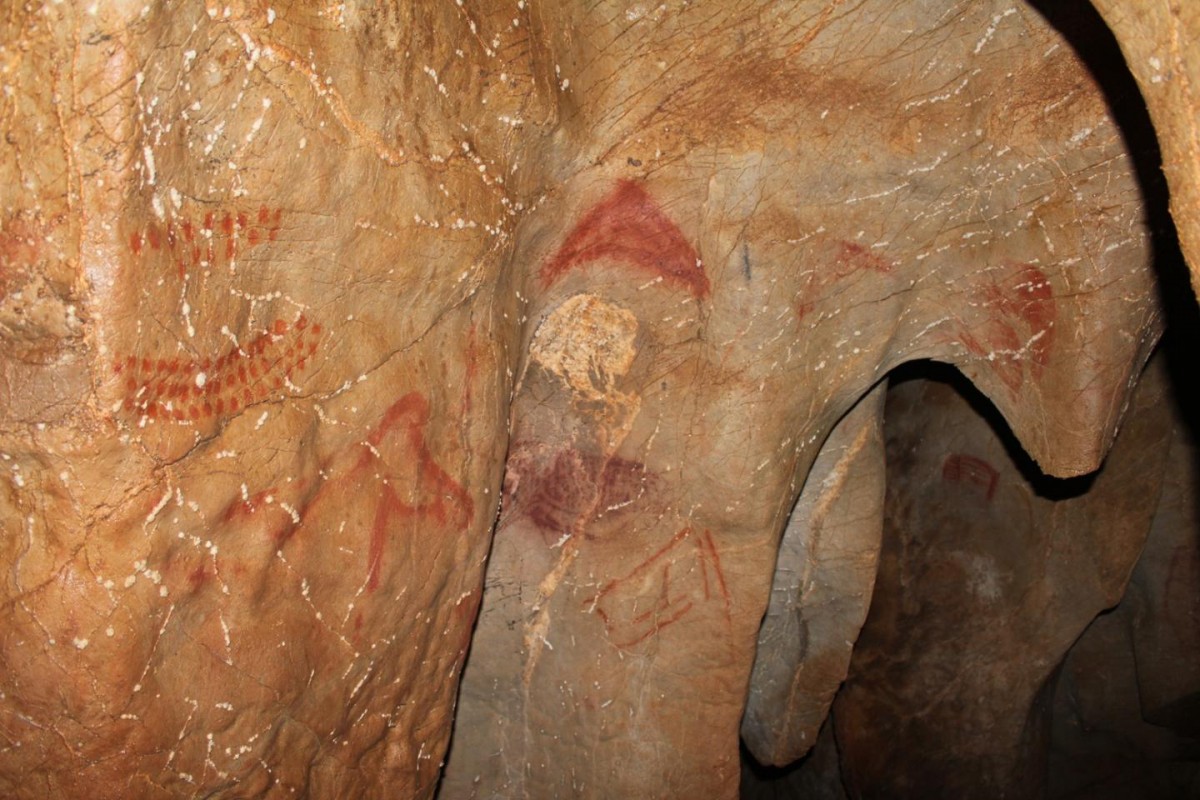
{"x":821,"y":592}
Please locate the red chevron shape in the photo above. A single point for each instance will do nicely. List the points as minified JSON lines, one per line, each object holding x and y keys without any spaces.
{"x":628,"y":226}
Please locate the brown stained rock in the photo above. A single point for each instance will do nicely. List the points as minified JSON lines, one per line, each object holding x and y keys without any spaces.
{"x":821,"y":591}
{"x":984,"y":583}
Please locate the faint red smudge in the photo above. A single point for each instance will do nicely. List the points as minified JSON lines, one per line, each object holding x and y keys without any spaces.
{"x":182,"y":390}
{"x":268,"y":506}
{"x":1019,"y":327}
{"x":683,"y":574}
{"x":841,"y":260}
{"x":443,"y":500}
{"x":971,"y":470}
{"x":197,"y":577}
{"x":629,"y":227}
{"x":472,"y":363}
{"x":23,"y":244}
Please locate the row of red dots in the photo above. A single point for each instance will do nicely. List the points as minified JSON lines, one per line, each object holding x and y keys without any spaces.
{"x":238,"y":377}
{"x":181,"y":239}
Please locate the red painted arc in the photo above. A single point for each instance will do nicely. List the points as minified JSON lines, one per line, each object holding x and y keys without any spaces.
{"x":629,"y":227}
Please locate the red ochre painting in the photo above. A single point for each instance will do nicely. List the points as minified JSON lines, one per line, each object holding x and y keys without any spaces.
{"x":838,"y":261}
{"x":630,"y":228}
{"x":1019,"y":329}
{"x":211,"y":240}
{"x":218,"y":385}
{"x":683,"y":575}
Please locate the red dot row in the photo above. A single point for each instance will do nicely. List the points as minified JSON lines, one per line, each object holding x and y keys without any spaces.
{"x":269,"y":222}
{"x":260,"y":371}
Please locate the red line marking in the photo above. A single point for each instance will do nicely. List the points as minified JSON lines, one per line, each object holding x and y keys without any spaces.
{"x":674,"y":580}
{"x":407,"y":418}
{"x":714,"y":561}
{"x":846,"y":259}
{"x":629,"y":227}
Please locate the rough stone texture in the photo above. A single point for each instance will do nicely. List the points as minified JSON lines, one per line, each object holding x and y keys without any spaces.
{"x":1102,"y":747}
{"x":985,"y":581}
{"x":254,"y":366}
{"x":1164,"y":596}
{"x":282,"y":283}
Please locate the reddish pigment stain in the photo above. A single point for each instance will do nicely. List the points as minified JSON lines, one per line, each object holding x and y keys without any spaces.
{"x":197,"y":577}
{"x":574,"y":488}
{"x":629,"y":227}
{"x":1019,"y":328}
{"x":836,"y":262}
{"x":233,"y":227}
{"x":242,"y":509}
{"x":403,"y":491}
{"x":205,"y":387}
{"x":972,"y":471}
{"x":682,"y":575}
{"x":472,"y":362}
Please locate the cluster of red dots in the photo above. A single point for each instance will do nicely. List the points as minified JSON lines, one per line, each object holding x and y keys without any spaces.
{"x":193,"y":244}
{"x":182,"y":390}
